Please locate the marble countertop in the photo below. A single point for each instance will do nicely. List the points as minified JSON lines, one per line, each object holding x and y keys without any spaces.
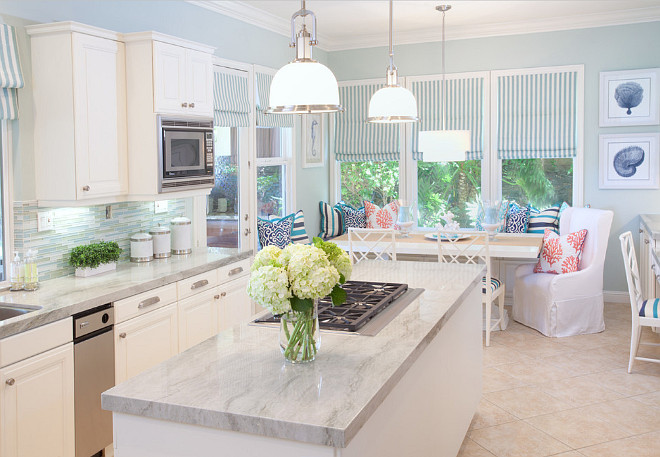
{"x":651,"y":223}
{"x":63,"y":297}
{"x":239,"y":381}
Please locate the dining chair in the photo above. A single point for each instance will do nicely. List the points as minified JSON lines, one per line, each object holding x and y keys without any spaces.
{"x":645,"y":313}
{"x":474,"y":248}
{"x":379,"y":244}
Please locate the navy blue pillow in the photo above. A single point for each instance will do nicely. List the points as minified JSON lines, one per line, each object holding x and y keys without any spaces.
{"x":517,"y":219}
{"x":353,"y":217}
{"x":275,"y":233}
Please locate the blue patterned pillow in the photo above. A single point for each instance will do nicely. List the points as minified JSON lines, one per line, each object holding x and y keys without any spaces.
{"x":275,"y":233}
{"x":332,"y":220}
{"x":353,"y":217}
{"x":517,"y":219}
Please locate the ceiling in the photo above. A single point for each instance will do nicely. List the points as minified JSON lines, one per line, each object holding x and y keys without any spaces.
{"x":351,"y":24}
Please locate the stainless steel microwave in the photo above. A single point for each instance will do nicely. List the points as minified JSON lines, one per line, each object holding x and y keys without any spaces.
{"x":185,"y":153}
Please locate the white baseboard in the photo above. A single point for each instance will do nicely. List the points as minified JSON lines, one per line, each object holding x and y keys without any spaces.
{"x":613,"y":296}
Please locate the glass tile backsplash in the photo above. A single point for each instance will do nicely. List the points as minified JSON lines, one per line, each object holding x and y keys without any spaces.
{"x":77,"y":226}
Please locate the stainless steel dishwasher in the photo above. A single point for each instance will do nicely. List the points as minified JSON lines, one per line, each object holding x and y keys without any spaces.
{"x":94,"y":373}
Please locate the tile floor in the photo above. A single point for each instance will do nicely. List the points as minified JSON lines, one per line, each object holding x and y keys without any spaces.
{"x":567,"y":397}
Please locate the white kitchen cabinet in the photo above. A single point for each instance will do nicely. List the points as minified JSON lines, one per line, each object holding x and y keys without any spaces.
{"x":145,"y":341}
{"x":234,"y":305}
{"x":79,"y":92}
{"x":37,"y":405}
{"x":649,"y":283}
{"x":198,"y":318}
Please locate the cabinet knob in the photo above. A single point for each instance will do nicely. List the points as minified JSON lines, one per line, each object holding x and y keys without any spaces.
{"x":10,"y":381}
{"x":224,"y":294}
{"x":122,"y":335}
{"x":217,"y":297}
{"x":191,"y":105}
{"x":86,"y":188}
{"x":184,"y":105}
{"x":646,"y":241}
{"x":247,"y":232}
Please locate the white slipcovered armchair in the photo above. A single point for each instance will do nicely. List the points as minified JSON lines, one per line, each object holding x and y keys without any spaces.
{"x":571,"y":303}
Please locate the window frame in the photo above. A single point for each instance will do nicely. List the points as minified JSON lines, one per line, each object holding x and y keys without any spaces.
{"x":6,"y":147}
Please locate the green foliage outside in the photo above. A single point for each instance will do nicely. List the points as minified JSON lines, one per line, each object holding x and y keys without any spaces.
{"x":539,"y":182}
{"x":93,"y":255}
{"x":376,"y":182}
{"x":269,"y":190}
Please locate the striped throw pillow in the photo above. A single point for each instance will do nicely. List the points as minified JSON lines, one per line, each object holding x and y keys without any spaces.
{"x":332,"y":220}
{"x":541,"y":220}
{"x":298,"y":233}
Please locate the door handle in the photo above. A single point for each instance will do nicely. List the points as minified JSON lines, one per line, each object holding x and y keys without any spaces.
{"x":122,"y":335}
{"x":247,"y":232}
{"x":148,"y":302}
{"x":199,"y":284}
{"x":10,"y":381}
{"x":235,"y":271}
{"x":86,"y":188}
{"x":184,"y":105}
{"x":217,"y":297}
{"x":247,"y":216}
{"x":191,"y":105}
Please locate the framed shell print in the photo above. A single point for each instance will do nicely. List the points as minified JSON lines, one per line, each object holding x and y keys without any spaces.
{"x":629,"y":97}
{"x":629,"y":161}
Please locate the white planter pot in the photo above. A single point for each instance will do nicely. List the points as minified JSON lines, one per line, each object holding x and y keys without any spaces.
{"x":103,"y":268}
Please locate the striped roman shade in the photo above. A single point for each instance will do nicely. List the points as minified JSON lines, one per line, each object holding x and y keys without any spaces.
{"x":355,"y":139}
{"x":263,"y":81}
{"x":231,"y":103}
{"x":465,"y":110}
{"x":537,"y":115}
{"x":11,"y":77}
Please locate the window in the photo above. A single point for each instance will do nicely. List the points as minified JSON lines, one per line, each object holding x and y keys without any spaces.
{"x":6,"y":214}
{"x":538,"y":182}
{"x":274,"y":171}
{"x":376,"y":182}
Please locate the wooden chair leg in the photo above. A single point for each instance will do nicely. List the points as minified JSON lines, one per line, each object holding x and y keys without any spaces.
{"x":635,"y":336}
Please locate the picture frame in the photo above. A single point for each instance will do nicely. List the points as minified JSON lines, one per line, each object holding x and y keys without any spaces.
{"x":629,"y":97}
{"x":313,"y":140}
{"x":629,"y":161}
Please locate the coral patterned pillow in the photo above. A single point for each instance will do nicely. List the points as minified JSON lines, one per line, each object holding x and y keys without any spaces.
{"x":561,"y":254}
{"x":381,"y":218}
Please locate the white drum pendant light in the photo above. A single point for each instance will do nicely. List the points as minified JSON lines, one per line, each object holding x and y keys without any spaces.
{"x":444,"y":145}
{"x":303,"y":86}
{"x":393,"y":103}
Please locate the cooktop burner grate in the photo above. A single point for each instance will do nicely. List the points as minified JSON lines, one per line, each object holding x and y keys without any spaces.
{"x":365,"y":300}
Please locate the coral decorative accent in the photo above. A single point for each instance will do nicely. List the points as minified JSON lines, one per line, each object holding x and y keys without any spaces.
{"x":561,"y":254}
{"x":381,"y":218}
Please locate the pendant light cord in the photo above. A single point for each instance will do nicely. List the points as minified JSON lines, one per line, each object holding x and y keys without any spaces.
{"x":391,"y":46}
{"x":442,"y":95}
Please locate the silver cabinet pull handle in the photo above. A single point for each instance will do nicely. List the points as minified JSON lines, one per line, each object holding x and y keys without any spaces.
{"x":184,"y":105}
{"x":224,"y":294}
{"x":148,"y":302}
{"x":235,"y":271}
{"x":84,"y":324}
{"x":122,"y":335}
{"x":191,"y":105}
{"x":217,"y":297}
{"x":10,"y":381}
{"x":199,"y":284}
{"x":86,"y":188}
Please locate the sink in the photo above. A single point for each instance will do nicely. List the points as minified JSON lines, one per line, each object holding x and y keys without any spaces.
{"x":9,"y":310}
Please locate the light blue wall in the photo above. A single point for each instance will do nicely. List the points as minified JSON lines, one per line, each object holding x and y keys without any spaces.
{"x":599,"y":49}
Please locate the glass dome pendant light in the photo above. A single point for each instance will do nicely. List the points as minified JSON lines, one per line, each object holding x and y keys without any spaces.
{"x":303,"y":86}
{"x":392,"y":104}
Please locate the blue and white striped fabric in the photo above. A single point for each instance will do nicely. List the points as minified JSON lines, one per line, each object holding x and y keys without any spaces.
{"x":465,"y":110}
{"x":11,"y":76}
{"x":541,"y":220}
{"x":332,"y":220}
{"x":262,"y":94}
{"x":231,"y":103}
{"x":537,"y":115}
{"x":494,"y":284}
{"x":359,"y":141}
{"x":650,"y":308}
{"x":298,"y":233}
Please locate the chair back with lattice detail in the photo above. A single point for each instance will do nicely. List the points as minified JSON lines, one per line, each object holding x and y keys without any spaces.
{"x":632,"y":272}
{"x":379,"y":244}
{"x":466,"y":246}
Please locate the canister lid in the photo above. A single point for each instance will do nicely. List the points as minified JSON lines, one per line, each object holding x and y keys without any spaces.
{"x":159,"y":231}
{"x":180,"y":221}
{"x":141,"y":237}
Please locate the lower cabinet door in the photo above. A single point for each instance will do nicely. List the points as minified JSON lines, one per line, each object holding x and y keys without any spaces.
{"x":36,"y":405}
{"x":235,"y":305}
{"x":198,"y":318}
{"x":145,"y":341}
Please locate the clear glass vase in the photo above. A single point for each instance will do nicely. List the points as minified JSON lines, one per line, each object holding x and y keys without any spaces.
{"x":300,"y":339}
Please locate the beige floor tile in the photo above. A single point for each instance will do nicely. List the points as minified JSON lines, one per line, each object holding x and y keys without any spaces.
{"x":517,"y":439}
{"x":630,"y":415}
{"x":652,"y":399}
{"x":524,"y":402}
{"x":569,"y":454}
{"x":577,"y":429}
{"x":579,"y":391}
{"x":647,"y":445}
{"x":576,"y":363}
{"x":494,"y":380}
{"x":489,"y":414}
{"x":584,"y":342}
{"x":471,"y":449}
{"x":498,"y":354}
{"x":627,"y":384}
{"x":540,"y":348}
{"x":649,"y":368}
{"x":534,"y":372}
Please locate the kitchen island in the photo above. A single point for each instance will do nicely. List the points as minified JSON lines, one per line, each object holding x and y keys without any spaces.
{"x":410,"y":390}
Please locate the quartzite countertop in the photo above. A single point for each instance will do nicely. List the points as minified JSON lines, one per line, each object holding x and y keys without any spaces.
{"x":63,"y":297}
{"x":651,"y":223}
{"x":239,"y":381}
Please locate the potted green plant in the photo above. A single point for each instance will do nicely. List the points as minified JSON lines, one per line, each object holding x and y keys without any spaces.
{"x":96,"y":258}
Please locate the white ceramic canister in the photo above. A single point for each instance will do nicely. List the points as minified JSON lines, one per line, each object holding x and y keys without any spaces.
{"x":142,"y":247}
{"x":162,"y":242}
{"x":181,"y":236}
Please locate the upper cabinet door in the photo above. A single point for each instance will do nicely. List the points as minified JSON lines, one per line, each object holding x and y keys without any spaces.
{"x":99,"y":77}
{"x":199,"y":83}
{"x":169,"y":78}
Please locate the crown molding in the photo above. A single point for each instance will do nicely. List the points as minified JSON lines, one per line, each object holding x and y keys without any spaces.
{"x":255,"y":16}
{"x":260,"y":18}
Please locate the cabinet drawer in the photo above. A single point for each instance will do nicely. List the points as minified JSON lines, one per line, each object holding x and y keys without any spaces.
{"x":144,"y":302}
{"x":234,"y":270}
{"x":197,"y":284}
{"x":35,"y":341}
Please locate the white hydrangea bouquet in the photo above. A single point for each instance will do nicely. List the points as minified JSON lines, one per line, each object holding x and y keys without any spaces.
{"x":289,"y":282}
